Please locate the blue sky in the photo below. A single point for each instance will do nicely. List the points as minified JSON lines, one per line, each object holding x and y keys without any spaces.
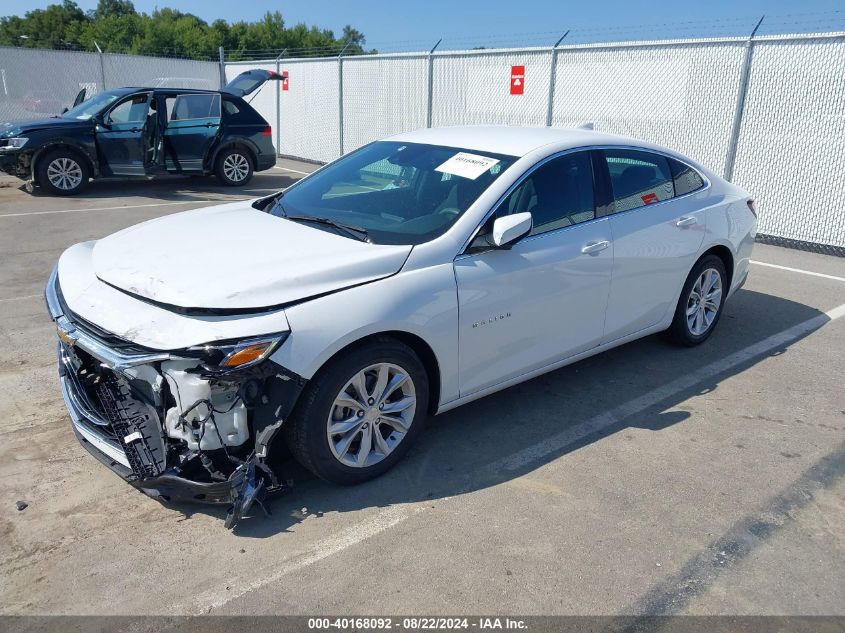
{"x":414,"y":25}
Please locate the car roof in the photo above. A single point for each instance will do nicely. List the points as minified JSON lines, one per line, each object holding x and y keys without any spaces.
{"x":176,"y":90}
{"x":514,"y":140}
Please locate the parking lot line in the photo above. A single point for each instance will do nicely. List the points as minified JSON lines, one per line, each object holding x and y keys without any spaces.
{"x":578,"y":432}
{"x":293,"y":171}
{"x":131,"y":206}
{"x":383,"y":520}
{"x":23,"y":298}
{"x":518,"y":461}
{"x":798,"y":270}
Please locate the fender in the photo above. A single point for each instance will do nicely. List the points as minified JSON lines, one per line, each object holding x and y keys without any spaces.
{"x":86,"y":150}
{"x":229,"y":142}
{"x":421,"y":302}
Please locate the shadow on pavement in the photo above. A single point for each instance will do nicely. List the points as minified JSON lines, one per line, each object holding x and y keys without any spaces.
{"x":459,"y":451}
{"x":178,"y":188}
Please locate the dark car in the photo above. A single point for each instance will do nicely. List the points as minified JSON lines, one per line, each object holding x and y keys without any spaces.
{"x":144,"y":132}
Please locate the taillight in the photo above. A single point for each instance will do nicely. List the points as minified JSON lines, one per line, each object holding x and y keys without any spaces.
{"x":268,"y":131}
{"x":752,"y":207}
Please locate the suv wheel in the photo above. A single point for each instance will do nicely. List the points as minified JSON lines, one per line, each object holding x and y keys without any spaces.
{"x":701,"y":302}
{"x":62,"y":172}
{"x":234,"y":167}
{"x":361,"y":413}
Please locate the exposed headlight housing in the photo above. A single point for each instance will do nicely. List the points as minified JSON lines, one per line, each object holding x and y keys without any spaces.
{"x":226,"y":356}
{"x":13,"y":143}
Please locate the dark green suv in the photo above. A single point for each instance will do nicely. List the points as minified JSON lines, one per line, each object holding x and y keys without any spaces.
{"x":144,"y":132}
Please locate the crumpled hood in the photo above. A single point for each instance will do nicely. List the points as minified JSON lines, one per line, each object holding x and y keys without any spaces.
{"x":235,"y":257}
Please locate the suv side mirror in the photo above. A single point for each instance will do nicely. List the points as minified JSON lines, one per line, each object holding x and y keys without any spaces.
{"x":509,"y":229}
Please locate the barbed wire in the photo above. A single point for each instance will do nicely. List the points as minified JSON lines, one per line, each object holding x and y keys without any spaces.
{"x":583,"y":33}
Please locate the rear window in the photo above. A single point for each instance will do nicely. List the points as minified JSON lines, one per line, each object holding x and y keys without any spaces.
{"x":239,"y":112}
{"x":638,"y":178}
{"x":685,"y":177}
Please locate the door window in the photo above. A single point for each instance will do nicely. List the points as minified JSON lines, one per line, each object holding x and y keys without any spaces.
{"x":132,"y":110}
{"x":557,"y":194}
{"x":638,"y":178}
{"x":189,"y":107}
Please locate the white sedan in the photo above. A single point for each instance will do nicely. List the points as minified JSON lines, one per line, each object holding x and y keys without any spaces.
{"x":408,"y":277}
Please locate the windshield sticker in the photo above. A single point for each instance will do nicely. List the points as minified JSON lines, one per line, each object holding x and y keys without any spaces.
{"x":467,"y":165}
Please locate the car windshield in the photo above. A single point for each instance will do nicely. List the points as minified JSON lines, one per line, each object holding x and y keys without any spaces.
{"x":88,"y":108}
{"x":399,"y":193}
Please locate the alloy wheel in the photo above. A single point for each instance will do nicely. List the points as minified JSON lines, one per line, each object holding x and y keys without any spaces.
{"x":371,"y":415}
{"x":704,"y":301}
{"x":236,"y":167}
{"x":64,"y":173}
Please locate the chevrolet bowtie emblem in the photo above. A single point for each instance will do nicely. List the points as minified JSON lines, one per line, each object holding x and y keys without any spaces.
{"x":68,"y":337}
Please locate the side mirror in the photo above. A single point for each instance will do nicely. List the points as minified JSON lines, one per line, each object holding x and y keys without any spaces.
{"x":100,"y":120}
{"x":509,"y":229}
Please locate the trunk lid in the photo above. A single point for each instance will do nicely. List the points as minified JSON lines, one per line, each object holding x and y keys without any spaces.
{"x":248,"y":82}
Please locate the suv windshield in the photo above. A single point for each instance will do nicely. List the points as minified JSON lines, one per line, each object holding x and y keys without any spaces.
{"x":88,"y":108}
{"x":400,"y":193}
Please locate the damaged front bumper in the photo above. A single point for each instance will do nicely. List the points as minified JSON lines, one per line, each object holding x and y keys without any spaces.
{"x":126,"y":411}
{"x":16,"y":163}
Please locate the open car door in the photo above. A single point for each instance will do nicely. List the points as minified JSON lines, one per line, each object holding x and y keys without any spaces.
{"x":250,"y":81}
{"x":80,"y":97}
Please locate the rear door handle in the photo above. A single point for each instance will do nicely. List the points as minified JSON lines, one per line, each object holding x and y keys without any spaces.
{"x":686,"y":221}
{"x":594,"y":247}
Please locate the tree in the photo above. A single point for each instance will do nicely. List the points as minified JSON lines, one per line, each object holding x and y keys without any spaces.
{"x":116,"y":26}
{"x":113,"y":8}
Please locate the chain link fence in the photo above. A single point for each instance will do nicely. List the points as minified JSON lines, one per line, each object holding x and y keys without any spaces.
{"x":767,"y":112}
{"x":36,"y":83}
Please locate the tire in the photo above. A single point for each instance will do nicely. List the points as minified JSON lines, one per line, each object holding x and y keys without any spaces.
{"x":336,"y":458}
{"x":62,"y":172}
{"x":697,"y":326}
{"x":234,"y":167}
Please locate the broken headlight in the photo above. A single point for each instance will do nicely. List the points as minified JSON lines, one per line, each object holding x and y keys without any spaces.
{"x":225,"y":356}
{"x":13,"y":143}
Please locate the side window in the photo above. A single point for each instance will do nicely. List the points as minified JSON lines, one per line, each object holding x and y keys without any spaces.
{"x":187,"y":107}
{"x":132,"y":110}
{"x":558,"y":194}
{"x":685,"y":177}
{"x":638,"y":178}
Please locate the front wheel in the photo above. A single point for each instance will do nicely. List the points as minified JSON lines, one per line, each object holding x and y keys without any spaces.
{"x":62,"y":172}
{"x":234,"y":167}
{"x":360,"y":413}
{"x":701,"y":302}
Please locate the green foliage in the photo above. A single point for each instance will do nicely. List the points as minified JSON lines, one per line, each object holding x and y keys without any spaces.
{"x":116,"y":26}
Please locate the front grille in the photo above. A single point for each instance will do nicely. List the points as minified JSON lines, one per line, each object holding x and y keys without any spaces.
{"x":106,"y":407}
{"x":104,"y":337}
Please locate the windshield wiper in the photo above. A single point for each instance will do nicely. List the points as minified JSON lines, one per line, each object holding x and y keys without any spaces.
{"x":357,"y":232}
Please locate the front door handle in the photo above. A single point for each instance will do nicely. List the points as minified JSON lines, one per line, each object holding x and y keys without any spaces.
{"x":594,"y":247}
{"x":686,"y":221}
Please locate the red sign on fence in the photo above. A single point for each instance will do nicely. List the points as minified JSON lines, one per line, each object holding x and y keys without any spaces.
{"x":284,"y":80}
{"x":517,"y":80}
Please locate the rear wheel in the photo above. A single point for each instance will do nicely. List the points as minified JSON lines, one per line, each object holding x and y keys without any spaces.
{"x":234,"y":167}
{"x":62,"y":172}
{"x":701,"y":302}
{"x":360,"y":414}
